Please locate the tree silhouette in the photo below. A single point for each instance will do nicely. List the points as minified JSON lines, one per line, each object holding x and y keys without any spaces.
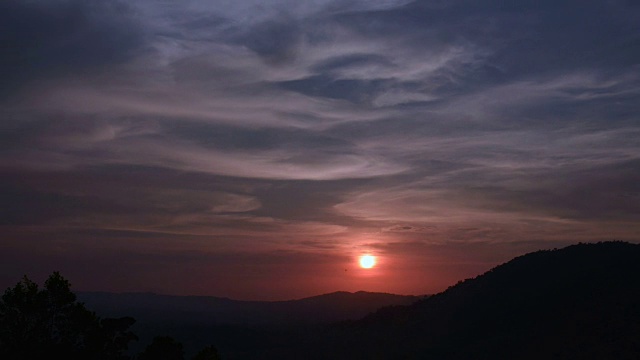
{"x":51,"y":323}
{"x":163,"y":348}
{"x":208,"y":353}
{"x":114,"y":338}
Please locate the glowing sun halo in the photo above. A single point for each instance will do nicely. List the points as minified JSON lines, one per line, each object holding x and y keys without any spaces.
{"x":367,"y":261}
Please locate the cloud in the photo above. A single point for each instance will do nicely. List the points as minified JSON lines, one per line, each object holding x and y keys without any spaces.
{"x":324,"y":127}
{"x":62,"y":38}
{"x":276,"y":41}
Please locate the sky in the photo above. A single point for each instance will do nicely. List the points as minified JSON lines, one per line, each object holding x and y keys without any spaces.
{"x":254,"y":149}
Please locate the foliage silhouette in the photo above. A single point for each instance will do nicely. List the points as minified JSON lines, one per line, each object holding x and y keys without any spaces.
{"x":208,"y":353}
{"x":163,"y":348}
{"x":51,"y":323}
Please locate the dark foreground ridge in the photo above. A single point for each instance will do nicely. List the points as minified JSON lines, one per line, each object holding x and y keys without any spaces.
{"x":579,"y":302}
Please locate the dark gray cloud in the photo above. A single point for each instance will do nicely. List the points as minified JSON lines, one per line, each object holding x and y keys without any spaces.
{"x":222,"y":136}
{"x":277,"y":41}
{"x":357,"y":91}
{"x":512,"y":41}
{"x":62,"y":37}
{"x":353,"y":60}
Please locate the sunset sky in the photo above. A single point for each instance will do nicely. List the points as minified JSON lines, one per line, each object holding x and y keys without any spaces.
{"x":255,"y":149}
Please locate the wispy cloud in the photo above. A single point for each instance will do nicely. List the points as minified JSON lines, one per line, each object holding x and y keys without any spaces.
{"x":324,"y":128}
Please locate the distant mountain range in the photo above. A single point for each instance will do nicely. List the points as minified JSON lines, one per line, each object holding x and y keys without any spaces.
{"x":578,"y":302}
{"x":327,"y":308}
{"x":234,"y":326}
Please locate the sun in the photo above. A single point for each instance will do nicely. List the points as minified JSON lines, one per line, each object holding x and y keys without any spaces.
{"x":367,"y":261}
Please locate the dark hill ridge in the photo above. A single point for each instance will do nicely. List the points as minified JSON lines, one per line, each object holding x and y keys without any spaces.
{"x":239,"y":329}
{"x":210,"y":310}
{"x":579,"y":302}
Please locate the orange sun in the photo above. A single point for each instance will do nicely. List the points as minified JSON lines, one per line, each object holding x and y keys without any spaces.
{"x":367,"y":261}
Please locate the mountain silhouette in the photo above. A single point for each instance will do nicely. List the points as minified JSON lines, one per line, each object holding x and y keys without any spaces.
{"x":325,"y":308}
{"x":578,"y":302}
{"x":242,"y":329}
